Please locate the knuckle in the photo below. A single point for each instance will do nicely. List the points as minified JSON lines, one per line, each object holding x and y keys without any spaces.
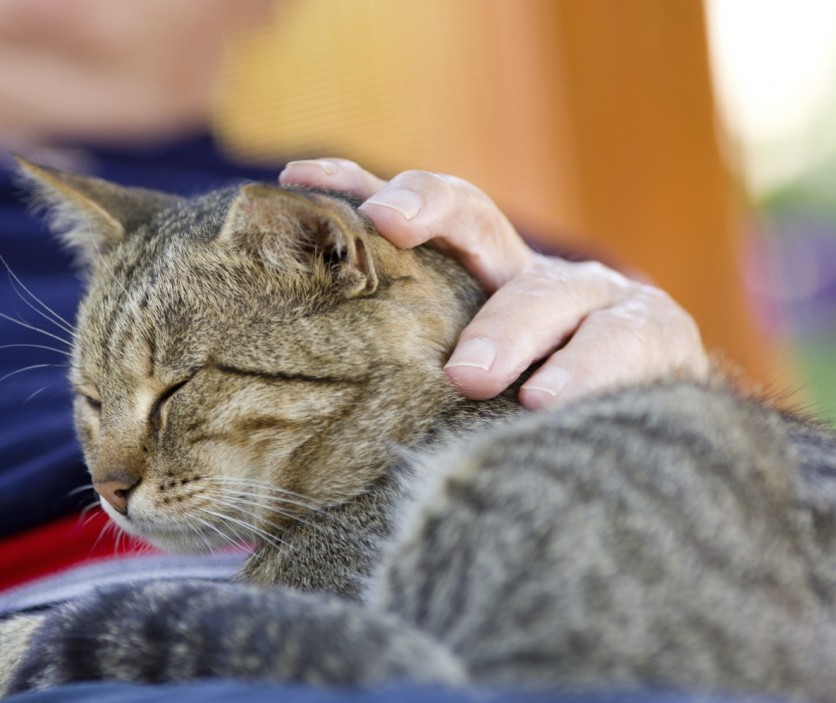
{"x":592,"y":269}
{"x":654,"y":296}
{"x":451,"y":190}
{"x":678,"y":323}
{"x":628,"y":324}
{"x":439,"y":196}
{"x":465,"y":189}
{"x":648,"y":335}
{"x":346,"y":164}
{"x":418,"y":179}
{"x":543,"y":289}
{"x":596,"y":271}
{"x":673,"y":336}
{"x":636,"y":341}
{"x":550,"y":275}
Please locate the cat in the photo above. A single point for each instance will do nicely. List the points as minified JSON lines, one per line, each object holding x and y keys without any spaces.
{"x":258,"y":364}
{"x":213,"y":359}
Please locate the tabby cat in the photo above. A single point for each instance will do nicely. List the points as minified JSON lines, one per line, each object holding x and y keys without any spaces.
{"x":258,"y":365}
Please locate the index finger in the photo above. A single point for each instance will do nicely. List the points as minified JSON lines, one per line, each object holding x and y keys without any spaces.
{"x":333,"y":174}
{"x":456,"y":217}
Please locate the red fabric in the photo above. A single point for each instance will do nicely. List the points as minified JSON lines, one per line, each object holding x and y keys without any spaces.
{"x":61,"y":544}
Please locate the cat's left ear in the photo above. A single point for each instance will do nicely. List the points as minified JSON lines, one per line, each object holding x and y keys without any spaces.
{"x":89,"y":214}
{"x":303,"y":234}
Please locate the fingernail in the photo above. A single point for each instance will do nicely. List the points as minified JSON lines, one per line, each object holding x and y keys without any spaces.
{"x":406,"y":202}
{"x":476,"y":353}
{"x":328,"y":167}
{"x":550,"y":380}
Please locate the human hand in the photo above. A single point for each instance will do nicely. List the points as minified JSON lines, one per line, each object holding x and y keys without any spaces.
{"x":593,"y":328}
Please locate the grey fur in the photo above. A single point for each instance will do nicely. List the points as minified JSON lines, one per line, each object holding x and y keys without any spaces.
{"x":674,"y":534}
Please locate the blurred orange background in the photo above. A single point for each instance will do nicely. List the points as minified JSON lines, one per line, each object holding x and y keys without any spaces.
{"x":592,"y":123}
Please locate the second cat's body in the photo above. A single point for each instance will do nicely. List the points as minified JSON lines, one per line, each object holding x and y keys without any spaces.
{"x":695,"y":560}
{"x":258,"y":364}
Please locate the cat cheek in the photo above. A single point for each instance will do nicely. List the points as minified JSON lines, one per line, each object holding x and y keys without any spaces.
{"x":87,"y":425}
{"x":163,"y":413}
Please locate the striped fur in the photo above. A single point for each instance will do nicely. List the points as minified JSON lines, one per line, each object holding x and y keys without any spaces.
{"x":673,"y":534}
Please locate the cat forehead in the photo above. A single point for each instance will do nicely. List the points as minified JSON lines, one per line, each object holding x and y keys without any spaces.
{"x":178,"y":246}
{"x":173,"y":274}
{"x":202,"y":217}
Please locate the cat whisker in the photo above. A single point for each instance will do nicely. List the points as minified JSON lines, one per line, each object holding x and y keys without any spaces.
{"x":263,"y":499}
{"x":199,"y":535}
{"x":34,"y":328}
{"x":273,"y":540}
{"x":119,"y":545}
{"x":264,"y":488}
{"x":276,"y":542}
{"x":261,"y":484}
{"x":250,"y":498}
{"x":85,"y":513}
{"x":48,"y":313}
{"x":120,"y":536}
{"x":63,"y":352}
{"x":32,"y":395}
{"x":208,"y":525}
{"x":28,"y":368}
{"x":106,"y":528}
{"x":101,"y":256}
{"x":198,"y":527}
{"x":57,"y":393}
{"x":81,"y":489}
{"x":239,"y":502}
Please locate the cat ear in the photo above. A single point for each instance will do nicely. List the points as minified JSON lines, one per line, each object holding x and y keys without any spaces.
{"x":91,"y":215}
{"x":301,"y":232}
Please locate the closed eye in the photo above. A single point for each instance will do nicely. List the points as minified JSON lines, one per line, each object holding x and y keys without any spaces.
{"x":156,"y":411}
{"x":91,"y":397}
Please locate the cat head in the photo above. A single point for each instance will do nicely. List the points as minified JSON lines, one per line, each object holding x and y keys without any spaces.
{"x":248,"y":355}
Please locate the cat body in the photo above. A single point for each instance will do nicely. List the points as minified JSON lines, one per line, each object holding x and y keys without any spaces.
{"x":259,"y":365}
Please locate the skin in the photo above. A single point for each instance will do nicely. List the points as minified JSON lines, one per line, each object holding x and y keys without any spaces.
{"x":103,"y":71}
{"x":592,"y":327}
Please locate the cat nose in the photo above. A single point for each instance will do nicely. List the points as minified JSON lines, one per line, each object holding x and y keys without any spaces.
{"x":116,"y":492}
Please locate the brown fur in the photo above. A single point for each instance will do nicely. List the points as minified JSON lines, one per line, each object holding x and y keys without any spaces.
{"x":297,"y":332}
{"x":268,"y":343}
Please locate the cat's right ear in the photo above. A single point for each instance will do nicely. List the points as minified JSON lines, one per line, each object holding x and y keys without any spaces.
{"x":303,"y":234}
{"x":89,"y":214}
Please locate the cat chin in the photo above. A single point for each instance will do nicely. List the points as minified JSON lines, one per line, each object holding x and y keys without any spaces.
{"x":180,"y":543}
{"x":175,"y":540}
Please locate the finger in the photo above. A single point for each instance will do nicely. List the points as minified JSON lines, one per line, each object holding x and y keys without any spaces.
{"x":332,"y":174}
{"x":419,"y":206}
{"x":644,"y":337}
{"x":526,"y":320}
